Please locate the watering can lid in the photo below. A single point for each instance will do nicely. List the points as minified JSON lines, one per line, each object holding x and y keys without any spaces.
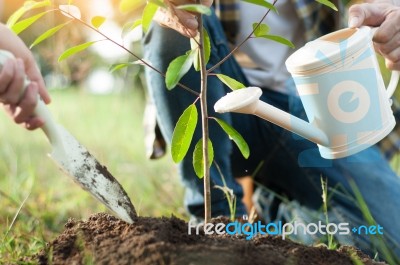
{"x":328,"y":48}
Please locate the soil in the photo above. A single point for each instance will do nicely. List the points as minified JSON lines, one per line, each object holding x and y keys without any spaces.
{"x":104,"y":239}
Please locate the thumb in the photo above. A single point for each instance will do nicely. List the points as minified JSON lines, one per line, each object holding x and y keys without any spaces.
{"x":367,"y":14}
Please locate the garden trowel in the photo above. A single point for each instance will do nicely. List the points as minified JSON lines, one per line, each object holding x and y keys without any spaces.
{"x":77,"y":162}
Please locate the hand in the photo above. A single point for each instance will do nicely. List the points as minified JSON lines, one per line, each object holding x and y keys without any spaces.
{"x":385,"y":15}
{"x":20,"y":105}
{"x":182,"y":21}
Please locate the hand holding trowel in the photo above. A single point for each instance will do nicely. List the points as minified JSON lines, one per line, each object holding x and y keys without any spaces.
{"x":77,"y":162}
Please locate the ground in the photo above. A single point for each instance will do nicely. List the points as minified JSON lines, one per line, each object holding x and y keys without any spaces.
{"x":104,"y":239}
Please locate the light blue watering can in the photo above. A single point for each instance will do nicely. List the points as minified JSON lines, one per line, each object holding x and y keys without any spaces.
{"x":340,"y":85}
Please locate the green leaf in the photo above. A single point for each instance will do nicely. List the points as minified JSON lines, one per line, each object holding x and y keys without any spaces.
{"x":328,"y":4}
{"x":48,"y":34}
{"x":279,"y":39}
{"x":183,"y":133}
{"x":70,"y":11}
{"x":177,"y":69}
{"x":24,"y":24}
{"x":207,"y":46}
{"x":147,"y":15}
{"x":128,"y":27}
{"x":159,"y":3}
{"x":262,"y":29}
{"x":198,"y":158}
{"x":73,"y":50}
{"x":262,"y":32}
{"x":97,"y":21}
{"x":230,"y":82}
{"x":196,"y":51}
{"x":28,"y":5}
{"x":263,"y":3}
{"x":116,"y":67}
{"x":126,"y":6}
{"x":202,"y":9}
{"x":236,"y":137}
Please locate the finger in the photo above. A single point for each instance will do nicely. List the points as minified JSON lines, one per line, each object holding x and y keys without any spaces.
{"x":34,"y":123}
{"x":392,"y":65}
{"x":389,"y":51}
{"x":6,"y":76}
{"x":389,"y":29}
{"x":27,"y":105}
{"x":33,"y":74}
{"x":16,"y":86}
{"x":367,"y":14}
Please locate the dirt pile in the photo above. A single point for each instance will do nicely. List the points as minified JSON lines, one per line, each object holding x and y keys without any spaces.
{"x":104,"y":239}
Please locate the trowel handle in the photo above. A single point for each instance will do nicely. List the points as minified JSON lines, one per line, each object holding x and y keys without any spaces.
{"x":41,"y":110}
{"x":49,"y":127}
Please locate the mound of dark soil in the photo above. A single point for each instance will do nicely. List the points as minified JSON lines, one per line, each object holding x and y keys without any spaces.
{"x":104,"y":239}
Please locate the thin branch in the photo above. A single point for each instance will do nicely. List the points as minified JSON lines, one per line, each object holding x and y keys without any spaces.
{"x":242,"y":42}
{"x":204,"y":120}
{"x":127,"y":50}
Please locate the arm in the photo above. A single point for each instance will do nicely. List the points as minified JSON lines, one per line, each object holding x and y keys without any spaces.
{"x":20,"y":105}
{"x":384,"y":14}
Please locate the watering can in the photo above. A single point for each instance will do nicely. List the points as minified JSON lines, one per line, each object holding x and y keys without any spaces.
{"x":342,"y":91}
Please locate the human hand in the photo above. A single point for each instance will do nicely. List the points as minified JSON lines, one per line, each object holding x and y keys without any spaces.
{"x":18,"y":101}
{"x":386,"y":16}
{"x":182,"y":21}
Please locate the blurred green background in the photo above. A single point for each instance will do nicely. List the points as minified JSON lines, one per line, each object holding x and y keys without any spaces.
{"x":104,"y":111}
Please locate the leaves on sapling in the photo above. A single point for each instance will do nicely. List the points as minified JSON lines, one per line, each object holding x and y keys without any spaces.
{"x":202,"y":9}
{"x":195,"y":49}
{"x":70,"y":11}
{"x":24,"y":24}
{"x":147,"y":15}
{"x":28,"y":5}
{"x":48,"y":34}
{"x":262,"y":30}
{"x":97,"y":21}
{"x":128,"y":27}
{"x":328,"y":4}
{"x":116,"y":67}
{"x":159,"y":3}
{"x":198,"y":158}
{"x":126,"y":6}
{"x":236,"y":137}
{"x":183,"y":133}
{"x":262,"y":3}
{"x":73,"y":50}
{"x":230,"y":82}
{"x":177,"y":69}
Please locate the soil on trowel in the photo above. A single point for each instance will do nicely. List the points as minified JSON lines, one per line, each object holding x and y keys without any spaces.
{"x":104,"y":239}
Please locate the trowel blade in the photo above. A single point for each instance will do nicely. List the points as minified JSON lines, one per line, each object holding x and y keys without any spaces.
{"x":75,"y":160}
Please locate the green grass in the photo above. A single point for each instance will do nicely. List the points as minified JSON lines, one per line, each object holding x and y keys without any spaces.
{"x":110,"y":127}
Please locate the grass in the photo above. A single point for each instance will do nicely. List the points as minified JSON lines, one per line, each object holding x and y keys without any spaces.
{"x":36,"y":198}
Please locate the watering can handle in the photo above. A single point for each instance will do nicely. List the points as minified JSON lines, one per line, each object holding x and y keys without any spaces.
{"x":394,"y":79}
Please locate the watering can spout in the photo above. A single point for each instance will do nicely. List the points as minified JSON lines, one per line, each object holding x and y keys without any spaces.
{"x":246,"y":101}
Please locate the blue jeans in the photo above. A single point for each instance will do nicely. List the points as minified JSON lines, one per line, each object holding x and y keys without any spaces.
{"x":290,"y":165}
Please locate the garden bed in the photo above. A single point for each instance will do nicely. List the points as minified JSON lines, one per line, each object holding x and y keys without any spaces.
{"x":104,"y":239}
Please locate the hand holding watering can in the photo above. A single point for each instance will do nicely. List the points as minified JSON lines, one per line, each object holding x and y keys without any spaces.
{"x":340,"y":85}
